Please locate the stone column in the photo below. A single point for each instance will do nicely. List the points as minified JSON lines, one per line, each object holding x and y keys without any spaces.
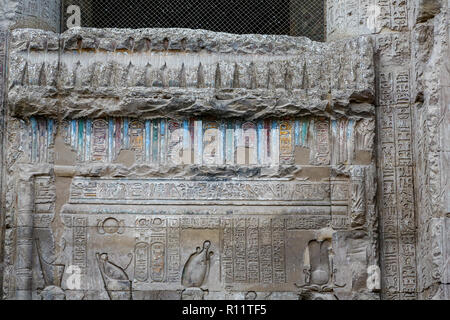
{"x":387,"y":23}
{"x":38,"y":14}
{"x":24,"y":240}
{"x":411,"y":45}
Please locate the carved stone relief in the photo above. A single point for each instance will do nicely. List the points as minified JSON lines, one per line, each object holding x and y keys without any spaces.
{"x":262,"y":155}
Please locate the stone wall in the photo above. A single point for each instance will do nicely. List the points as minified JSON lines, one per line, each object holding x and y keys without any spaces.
{"x":141,"y":157}
{"x":411,"y":57}
{"x":279,"y":167}
{"x":430,"y":66}
{"x":40,"y":14}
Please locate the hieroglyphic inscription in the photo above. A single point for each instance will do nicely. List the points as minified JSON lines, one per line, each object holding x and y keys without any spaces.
{"x":100,"y":140}
{"x":200,"y":223}
{"x":141,"y":250}
{"x":84,"y":190}
{"x":322,"y":146}
{"x":278,"y":245}
{"x":265,"y":251}
{"x":137,"y":139}
{"x":45,"y":195}
{"x":253,"y":250}
{"x":339,"y":191}
{"x":79,"y":255}
{"x":339,"y":222}
{"x":227,"y":251}
{"x":173,"y":250}
{"x":158,"y":234}
{"x":157,"y":249}
{"x":141,"y":261}
{"x":310,"y":222}
{"x":240,"y":246}
{"x":398,"y":219}
{"x":286,"y":142}
{"x":389,"y":219}
{"x":44,"y":201}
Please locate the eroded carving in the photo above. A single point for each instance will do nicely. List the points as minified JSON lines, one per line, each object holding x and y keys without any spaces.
{"x":115,"y":279}
{"x":319,"y":268}
{"x":196,"y":268}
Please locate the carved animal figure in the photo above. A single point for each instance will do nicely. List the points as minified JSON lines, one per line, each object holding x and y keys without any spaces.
{"x":116,"y":281}
{"x":196,"y":269}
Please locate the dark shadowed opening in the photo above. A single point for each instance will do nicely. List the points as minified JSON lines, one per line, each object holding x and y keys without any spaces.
{"x":278,"y":17}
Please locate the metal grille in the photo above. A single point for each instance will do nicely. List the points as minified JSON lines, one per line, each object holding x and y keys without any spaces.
{"x":279,"y":17}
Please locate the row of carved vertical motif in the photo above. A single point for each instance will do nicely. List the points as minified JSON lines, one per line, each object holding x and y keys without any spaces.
{"x":207,"y":141}
{"x":398,"y":234}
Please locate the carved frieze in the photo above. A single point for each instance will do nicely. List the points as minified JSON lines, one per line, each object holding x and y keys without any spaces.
{"x":83,"y":73}
{"x":299,"y":141}
{"x":244,"y":251}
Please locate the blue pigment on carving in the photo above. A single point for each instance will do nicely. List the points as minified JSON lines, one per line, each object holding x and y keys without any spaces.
{"x":297,"y":132}
{"x":223,"y":138}
{"x":73,"y":124}
{"x":163,"y":141}
{"x":155,"y":141}
{"x":110,"y":138}
{"x":304,"y":133}
{"x":88,"y":139}
{"x":260,"y":140}
{"x":34,"y":138}
{"x":125,"y":133}
{"x":147,"y":140}
{"x":81,"y":139}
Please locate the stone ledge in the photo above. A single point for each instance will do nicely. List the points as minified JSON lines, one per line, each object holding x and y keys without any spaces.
{"x":150,"y":103}
{"x":153,"y":73}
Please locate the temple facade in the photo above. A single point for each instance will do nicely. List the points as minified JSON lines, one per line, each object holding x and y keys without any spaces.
{"x":175,"y":163}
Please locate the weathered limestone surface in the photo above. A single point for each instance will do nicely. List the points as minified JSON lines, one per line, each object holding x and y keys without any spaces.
{"x":190,"y":165}
{"x":430,"y":63}
{"x":179,"y":73}
{"x":411,"y":47}
{"x":40,"y":14}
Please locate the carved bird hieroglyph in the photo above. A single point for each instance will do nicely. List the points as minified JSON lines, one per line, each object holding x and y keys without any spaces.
{"x":196,"y":269}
